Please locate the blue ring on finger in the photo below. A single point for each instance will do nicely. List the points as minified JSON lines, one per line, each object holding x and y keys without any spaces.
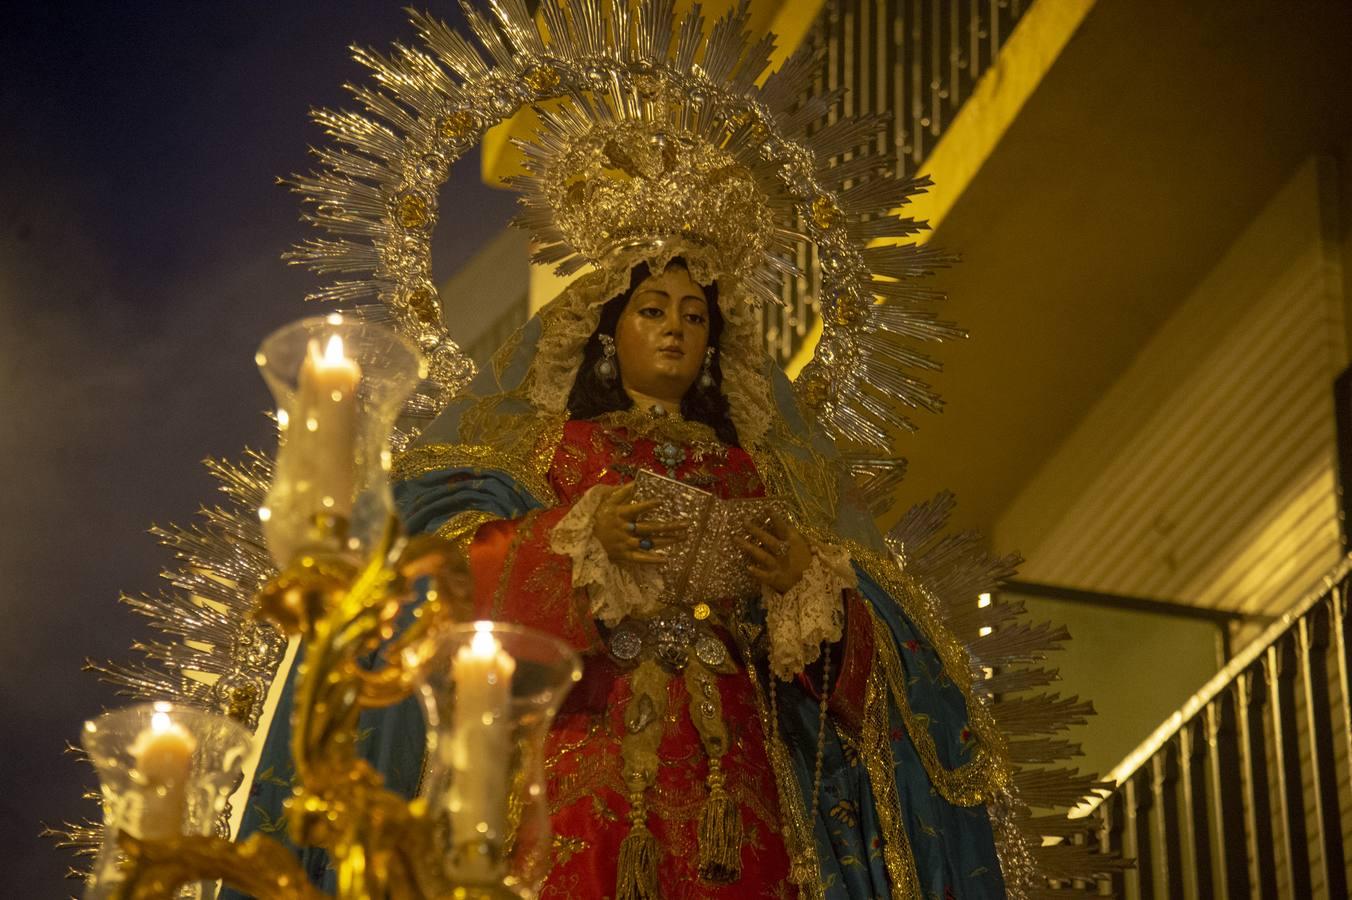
{"x":645,"y":544}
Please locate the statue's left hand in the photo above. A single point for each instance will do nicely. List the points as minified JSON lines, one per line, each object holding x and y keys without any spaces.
{"x":781,"y":554}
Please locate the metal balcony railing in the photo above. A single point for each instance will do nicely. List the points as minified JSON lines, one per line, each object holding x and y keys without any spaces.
{"x":1243,"y":792}
{"x":918,"y":61}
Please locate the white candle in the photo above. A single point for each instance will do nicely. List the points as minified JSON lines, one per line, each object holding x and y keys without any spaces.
{"x":481,"y":750}
{"x":162,"y":756}
{"x":325,"y":435}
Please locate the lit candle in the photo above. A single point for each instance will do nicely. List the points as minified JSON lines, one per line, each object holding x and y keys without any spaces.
{"x":325,"y":436}
{"x":481,"y":749}
{"x":162,"y":756}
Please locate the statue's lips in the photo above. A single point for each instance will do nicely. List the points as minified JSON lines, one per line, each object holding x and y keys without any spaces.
{"x":671,"y":352}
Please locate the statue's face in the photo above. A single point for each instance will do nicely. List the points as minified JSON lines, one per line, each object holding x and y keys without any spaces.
{"x":661,"y":336}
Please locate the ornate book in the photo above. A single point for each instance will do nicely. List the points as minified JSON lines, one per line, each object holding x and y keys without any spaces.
{"x":708,"y":565}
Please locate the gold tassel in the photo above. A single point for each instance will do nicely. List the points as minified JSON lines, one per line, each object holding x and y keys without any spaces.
{"x":720,"y":832}
{"x":636,"y":874}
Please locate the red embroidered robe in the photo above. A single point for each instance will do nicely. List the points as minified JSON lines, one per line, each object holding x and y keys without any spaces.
{"x":518,"y":579}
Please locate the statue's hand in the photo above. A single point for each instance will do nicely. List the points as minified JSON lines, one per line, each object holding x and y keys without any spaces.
{"x":623,"y":536}
{"x":781,"y":554}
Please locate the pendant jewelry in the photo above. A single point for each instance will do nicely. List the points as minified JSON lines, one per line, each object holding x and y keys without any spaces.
{"x":706,"y":378}
{"x":605,"y":366}
{"x":671,"y":455}
{"x":674,"y":638}
{"x":710,"y":651}
{"x":626,"y":644}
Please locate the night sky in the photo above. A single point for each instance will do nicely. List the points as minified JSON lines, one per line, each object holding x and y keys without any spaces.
{"x":140,"y":234}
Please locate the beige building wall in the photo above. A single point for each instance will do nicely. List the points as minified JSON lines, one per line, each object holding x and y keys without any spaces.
{"x":1206,"y":474}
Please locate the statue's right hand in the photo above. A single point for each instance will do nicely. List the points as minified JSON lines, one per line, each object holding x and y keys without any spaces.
{"x":625,"y":539}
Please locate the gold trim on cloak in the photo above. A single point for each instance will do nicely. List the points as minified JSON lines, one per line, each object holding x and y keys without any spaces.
{"x":460,"y":528}
{"x":526,"y":458}
{"x":805,"y":869}
{"x":876,"y":750}
{"x":989,"y":771}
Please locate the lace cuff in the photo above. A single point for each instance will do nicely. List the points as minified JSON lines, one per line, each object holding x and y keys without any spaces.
{"x":616,"y":591}
{"x":809,"y":614}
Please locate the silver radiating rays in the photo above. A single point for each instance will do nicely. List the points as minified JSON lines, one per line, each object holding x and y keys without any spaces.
{"x":584,"y":65}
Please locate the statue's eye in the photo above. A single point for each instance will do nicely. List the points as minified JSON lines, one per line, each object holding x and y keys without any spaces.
{"x":694,"y":318}
{"x":651,"y":312}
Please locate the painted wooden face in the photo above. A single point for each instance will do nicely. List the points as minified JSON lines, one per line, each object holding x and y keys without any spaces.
{"x":662,"y":334}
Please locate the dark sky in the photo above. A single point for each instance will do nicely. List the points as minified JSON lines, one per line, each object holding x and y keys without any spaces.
{"x":140,"y":230}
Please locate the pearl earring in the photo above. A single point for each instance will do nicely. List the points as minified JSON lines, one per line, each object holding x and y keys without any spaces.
{"x":605,"y":366}
{"x":706,"y":378}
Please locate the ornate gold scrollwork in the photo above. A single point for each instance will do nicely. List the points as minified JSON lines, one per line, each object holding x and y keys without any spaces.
{"x":381,"y":844}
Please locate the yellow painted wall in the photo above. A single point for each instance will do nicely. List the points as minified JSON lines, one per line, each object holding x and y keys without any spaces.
{"x":1161,"y":660}
{"x":1206,"y":473}
{"x":967,"y":143}
{"x":1000,"y":95}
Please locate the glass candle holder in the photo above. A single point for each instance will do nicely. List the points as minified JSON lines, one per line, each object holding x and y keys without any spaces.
{"x":490,"y":692}
{"x":164,"y":770}
{"x":339,"y":385}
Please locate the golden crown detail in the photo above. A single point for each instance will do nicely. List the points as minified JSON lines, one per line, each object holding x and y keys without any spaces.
{"x":625,"y":189}
{"x":655,"y":131}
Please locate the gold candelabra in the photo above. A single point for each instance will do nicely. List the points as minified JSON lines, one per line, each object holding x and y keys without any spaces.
{"x":479,"y":827}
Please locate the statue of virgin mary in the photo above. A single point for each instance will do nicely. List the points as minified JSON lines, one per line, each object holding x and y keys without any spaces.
{"x":810,"y":737}
{"x":800,"y":720}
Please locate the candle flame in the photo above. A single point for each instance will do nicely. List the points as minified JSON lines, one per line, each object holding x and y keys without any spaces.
{"x":484,"y":645}
{"x":333,"y":350}
{"x":333,"y":354}
{"x":160,"y":722}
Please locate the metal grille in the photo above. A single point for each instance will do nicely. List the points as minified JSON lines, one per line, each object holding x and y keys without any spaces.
{"x":918,"y":60}
{"x":1246,"y":793}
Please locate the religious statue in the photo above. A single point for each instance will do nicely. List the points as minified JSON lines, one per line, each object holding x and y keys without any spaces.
{"x":717,"y":745}
{"x":772,"y":703}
